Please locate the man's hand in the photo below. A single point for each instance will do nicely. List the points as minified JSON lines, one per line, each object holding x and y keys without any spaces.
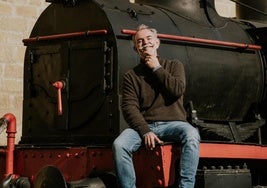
{"x":152,"y":61}
{"x":150,"y":140}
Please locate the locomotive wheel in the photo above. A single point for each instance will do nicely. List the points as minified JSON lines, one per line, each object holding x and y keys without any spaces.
{"x":49,"y":177}
{"x":105,"y":180}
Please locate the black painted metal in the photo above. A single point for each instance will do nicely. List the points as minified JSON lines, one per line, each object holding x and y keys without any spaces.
{"x":219,"y":178}
{"x":224,"y":83}
{"x":252,"y":10}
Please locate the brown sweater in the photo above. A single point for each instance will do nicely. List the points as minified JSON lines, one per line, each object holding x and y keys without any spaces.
{"x":153,"y":96}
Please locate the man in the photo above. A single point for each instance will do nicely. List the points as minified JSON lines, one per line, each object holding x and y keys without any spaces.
{"x":152,"y":105}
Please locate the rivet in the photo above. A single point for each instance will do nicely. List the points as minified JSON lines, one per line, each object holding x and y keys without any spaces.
{"x":160,"y":182}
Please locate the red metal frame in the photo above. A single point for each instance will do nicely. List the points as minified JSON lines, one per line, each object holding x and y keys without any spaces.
{"x":200,"y":40}
{"x":159,"y":164}
{"x":153,"y":168}
{"x":75,"y":163}
{"x":234,"y":151}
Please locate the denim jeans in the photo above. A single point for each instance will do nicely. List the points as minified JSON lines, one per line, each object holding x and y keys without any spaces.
{"x":129,"y":141}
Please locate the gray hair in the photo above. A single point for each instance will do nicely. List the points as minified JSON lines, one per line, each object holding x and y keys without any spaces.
{"x":143,"y":26}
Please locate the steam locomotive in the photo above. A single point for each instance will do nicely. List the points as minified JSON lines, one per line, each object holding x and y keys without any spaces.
{"x":75,"y":59}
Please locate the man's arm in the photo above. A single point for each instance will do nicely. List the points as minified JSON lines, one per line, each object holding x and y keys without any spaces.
{"x":131,"y":108}
{"x":173,"y":81}
{"x":131,"y":112}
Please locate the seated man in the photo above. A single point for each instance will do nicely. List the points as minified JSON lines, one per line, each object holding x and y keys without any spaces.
{"x":152,"y":105}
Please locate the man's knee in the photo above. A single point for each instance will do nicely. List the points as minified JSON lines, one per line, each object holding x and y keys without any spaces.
{"x":192,"y":137}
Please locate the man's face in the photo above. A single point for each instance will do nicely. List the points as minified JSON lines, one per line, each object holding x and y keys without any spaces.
{"x":146,"y":43}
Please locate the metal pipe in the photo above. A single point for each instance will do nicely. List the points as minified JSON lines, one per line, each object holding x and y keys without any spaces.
{"x":201,"y":41}
{"x":65,"y":35}
{"x":9,"y":121}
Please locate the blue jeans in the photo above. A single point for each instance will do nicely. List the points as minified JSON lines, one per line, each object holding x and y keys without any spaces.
{"x":129,"y":141}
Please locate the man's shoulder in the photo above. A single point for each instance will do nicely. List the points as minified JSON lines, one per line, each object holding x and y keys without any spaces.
{"x":132,"y":72}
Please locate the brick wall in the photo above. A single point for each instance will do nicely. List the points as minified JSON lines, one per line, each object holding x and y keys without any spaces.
{"x":17,"y":18}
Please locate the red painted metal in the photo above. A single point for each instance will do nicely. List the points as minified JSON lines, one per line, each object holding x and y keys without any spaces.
{"x":75,"y":163}
{"x":11,"y":132}
{"x":234,"y":151}
{"x":59,"y":85}
{"x":201,"y":41}
{"x":156,"y":168}
{"x":65,"y":35}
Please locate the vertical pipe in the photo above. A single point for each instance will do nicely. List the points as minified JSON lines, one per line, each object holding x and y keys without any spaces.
{"x":10,"y":119}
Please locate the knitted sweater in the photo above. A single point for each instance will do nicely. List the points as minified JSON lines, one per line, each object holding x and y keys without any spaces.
{"x":149,"y":96}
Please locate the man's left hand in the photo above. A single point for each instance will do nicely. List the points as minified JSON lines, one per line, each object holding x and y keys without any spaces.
{"x":150,"y":140}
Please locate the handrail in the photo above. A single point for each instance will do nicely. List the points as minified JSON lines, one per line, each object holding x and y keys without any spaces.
{"x":200,"y":40}
{"x":65,"y":35}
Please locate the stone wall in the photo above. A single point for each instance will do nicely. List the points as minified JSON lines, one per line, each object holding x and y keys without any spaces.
{"x":17,"y":18}
{"x":225,"y":8}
